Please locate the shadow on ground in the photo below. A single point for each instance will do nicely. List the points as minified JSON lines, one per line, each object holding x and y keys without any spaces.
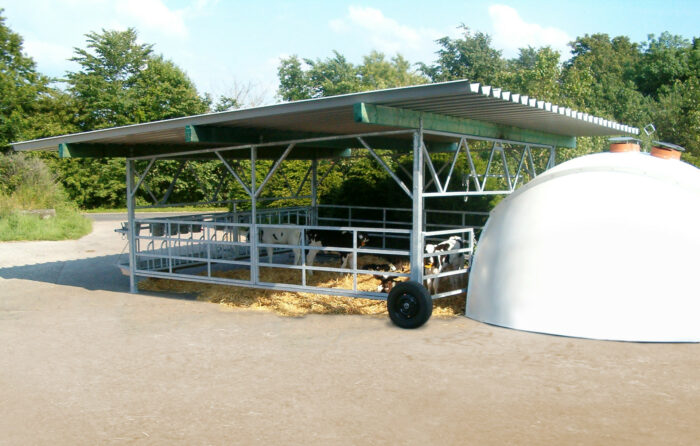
{"x":93,"y":273}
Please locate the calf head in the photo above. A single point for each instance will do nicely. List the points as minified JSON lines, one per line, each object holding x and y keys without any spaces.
{"x":362,"y":239}
{"x":431,"y":262}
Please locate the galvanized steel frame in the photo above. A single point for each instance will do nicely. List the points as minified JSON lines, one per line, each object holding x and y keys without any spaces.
{"x":418,"y":193}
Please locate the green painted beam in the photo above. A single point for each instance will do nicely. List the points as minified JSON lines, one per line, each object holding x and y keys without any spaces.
{"x":241,"y":135}
{"x":109,"y":150}
{"x":398,"y":117}
{"x":238,"y":135}
{"x":97,"y":150}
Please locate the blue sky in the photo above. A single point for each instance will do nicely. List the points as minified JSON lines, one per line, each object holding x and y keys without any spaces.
{"x":234,"y":47}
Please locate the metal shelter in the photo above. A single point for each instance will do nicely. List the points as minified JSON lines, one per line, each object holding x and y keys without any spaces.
{"x":436,"y":126}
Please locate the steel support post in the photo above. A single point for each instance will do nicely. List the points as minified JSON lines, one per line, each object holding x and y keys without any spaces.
{"x":131,"y":216}
{"x":552,"y":157}
{"x":417,"y":230}
{"x":254,"y":254}
{"x":314,"y":192}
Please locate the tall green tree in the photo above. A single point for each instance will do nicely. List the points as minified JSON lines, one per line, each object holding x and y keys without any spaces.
{"x":599,"y":78}
{"x":121,"y":82}
{"x":104,"y":88}
{"x":164,"y":91}
{"x":536,"y":72}
{"x":305,"y":79}
{"x":377,"y":72}
{"x":469,"y":57}
{"x":29,"y":107}
{"x":665,"y":60}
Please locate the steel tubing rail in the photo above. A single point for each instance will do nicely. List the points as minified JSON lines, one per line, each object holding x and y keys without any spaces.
{"x":439,"y":211}
{"x":455,"y":272}
{"x":447,"y":231}
{"x":338,"y":228}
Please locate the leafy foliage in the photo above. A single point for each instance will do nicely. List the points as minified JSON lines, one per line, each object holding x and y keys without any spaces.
{"x":335,"y":75}
{"x":470,"y":57}
{"x":120,"y":82}
{"x":536,"y":72}
{"x":25,"y":184}
{"x":27,"y":104}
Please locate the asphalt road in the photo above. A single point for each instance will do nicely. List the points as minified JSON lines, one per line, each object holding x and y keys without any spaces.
{"x":84,"y":362}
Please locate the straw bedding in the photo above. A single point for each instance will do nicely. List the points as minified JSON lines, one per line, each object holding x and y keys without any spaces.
{"x":287,"y":303}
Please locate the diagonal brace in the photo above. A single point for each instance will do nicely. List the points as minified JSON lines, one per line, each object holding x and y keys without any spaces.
{"x":274,"y":168}
{"x":454,"y":162}
{"x":142,"y":177}
{"x":303,"y":182}
{"x":429,"y":162}
{"x":171,"y":187}
{"x":387,"y":168}
{"x":234,"y":173}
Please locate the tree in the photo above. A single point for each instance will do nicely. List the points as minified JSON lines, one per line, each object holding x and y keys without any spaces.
{"x":537,"y":73}
{"x":104,"y":88}
{"x":336,"y":75}
{"x":676,"y":116}
{"x":376,"y":72}
{"x":599,"y":79}
{"x":664,"y":61}
{"x":294,"y":82}
{"x":470,"y":57}
{"x":29,"y":107}
{"x":121,"y":82}
{"x":164,"y":91}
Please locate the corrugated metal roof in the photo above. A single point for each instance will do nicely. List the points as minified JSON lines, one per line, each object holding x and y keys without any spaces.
{"x":334,"y":116}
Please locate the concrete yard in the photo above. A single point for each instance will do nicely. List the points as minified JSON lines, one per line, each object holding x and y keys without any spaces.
{"x":82,"y":361}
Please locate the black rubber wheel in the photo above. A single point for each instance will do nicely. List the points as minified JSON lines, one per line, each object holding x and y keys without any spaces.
{"x":409,"y":305}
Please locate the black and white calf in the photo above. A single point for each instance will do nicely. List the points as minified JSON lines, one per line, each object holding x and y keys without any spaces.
{"x":387,"y":281}
{"x":333,"y":239}
{"x":439,"y":263}
{"x":282,"y":236}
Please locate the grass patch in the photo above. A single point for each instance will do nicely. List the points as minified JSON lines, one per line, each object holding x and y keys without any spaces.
{"x":26,"y":183}
{"x":67,"y":224}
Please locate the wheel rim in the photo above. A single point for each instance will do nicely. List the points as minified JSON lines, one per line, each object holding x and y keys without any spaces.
{"x":407,"y":306}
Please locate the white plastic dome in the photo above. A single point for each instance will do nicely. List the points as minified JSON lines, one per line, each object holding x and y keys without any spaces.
{"x":605,"y":246}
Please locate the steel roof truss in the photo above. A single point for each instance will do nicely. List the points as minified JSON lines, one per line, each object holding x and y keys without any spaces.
{"x":432,"y":180}
{"x":142,"y":177}
{"x":303,"y":181}
{"x":171,"y":186}
{"x":429,"y":162}
{"x":273,"y":169}
{"x":386,"y":167}
{"x":197,"y":179}
{"x":234,"y":174}
{"x":454,"y":162}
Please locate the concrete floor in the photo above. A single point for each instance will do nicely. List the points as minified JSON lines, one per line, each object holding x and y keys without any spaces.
{"x":84,"y":362}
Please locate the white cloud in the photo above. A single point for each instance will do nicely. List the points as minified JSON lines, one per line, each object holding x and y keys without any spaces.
{"x":511,"y":32}
{"x":51,"y":58}
{"x":49,"y":52}
{"x":154,"y":15}
{"x":386,"y":34}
